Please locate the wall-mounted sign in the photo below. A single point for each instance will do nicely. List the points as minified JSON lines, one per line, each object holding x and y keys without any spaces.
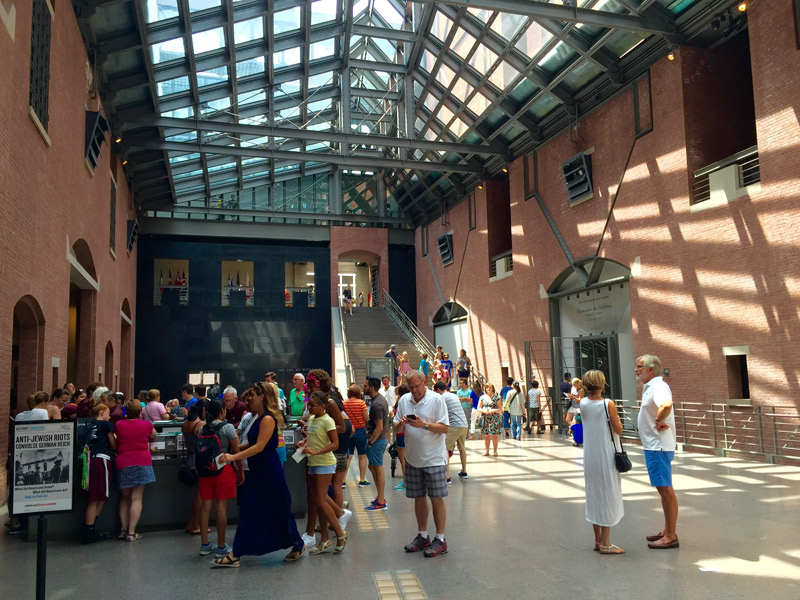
{"x":43,"y":467}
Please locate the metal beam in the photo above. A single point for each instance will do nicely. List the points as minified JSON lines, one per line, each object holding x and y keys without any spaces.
{"x":318,"y":136}
{"x":356,"y":162}
{"x":569,"y":14}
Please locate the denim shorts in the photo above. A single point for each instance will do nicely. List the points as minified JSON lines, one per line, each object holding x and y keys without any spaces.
{"x":376,"y":451}
{"x":322,"y":470}
{"x":400,"y":440}
{"x":659,"y":467}
{"x":358,"y":442}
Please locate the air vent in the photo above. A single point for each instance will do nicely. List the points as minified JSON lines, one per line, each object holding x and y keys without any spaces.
{"x":578,"y":178}
{"x":96,"y":128}
{"x":446,"y":248}
{"x":133,"y":234}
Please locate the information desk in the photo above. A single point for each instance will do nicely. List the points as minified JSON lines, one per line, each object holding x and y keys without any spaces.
{"x":166,"y":503}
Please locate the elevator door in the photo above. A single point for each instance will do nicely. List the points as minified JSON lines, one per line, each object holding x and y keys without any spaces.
{"x":599,"y":353}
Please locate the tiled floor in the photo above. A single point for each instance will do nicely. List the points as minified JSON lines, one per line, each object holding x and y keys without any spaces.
{"x":516,"y":529}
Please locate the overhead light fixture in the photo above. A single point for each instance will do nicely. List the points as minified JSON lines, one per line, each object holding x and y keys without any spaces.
{"x":671,"y":55}
{"x":119,"y":139}
{"x":124,"y":162}
{"x":480,"y":186}
{"x":742,"y":6}
{"x":505,"y":170}
{"x":310,"y":273}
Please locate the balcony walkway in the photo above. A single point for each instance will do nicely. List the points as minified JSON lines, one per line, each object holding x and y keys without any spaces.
{"x":515,"y":529}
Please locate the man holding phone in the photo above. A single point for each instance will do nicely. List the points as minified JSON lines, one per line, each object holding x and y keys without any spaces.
{"x":377,"y":439}
{"x":422,"y":416}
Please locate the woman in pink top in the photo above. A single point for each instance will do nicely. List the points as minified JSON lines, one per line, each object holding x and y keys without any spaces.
{"x":155,"y":410}
{"x":134,"y":466}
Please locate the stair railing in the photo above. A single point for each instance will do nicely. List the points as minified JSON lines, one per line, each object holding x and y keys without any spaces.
{"x":347,"y":365}
{"x":421,"y":343}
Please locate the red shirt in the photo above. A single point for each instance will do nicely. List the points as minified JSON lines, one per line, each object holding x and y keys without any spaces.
{"x":355,"y":407}
{"x":133,"y":443}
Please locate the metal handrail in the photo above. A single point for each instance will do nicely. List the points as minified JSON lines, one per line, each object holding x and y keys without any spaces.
{"x":750,"y":432}
{"x":347,"y":365}
{"x":418,"y":338}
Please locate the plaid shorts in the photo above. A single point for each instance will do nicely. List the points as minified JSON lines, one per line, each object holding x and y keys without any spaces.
{"x":426,"y":481}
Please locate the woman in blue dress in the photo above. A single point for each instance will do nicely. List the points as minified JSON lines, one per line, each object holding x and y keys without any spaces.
{"x":266,"y":523}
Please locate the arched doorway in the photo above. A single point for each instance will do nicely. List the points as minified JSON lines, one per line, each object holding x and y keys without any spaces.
{"x":359,"y":269}
{"x":450,"y":329}
{"x":27,"y":350}
{"x":125,"y":384}
{"x":591,"y":324}
{"x":83,"y":288}
{"x":108,"y":368}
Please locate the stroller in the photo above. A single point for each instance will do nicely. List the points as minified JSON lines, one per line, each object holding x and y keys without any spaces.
{"x":393,"y":453}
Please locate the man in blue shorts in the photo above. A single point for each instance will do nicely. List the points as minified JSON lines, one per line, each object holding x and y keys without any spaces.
{"x":657,"y":432}
{"x":377,"y":439}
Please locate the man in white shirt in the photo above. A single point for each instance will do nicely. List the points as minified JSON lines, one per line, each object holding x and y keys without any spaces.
{"x":387,"y":391}
{"x":422,"y":416}
{"x":457,"y":435}
{"x":657,"y":431}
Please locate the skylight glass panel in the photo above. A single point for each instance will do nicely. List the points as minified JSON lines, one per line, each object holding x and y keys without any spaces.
{"x":354,"y":41}
{"x":251,"y":97}
{"x":440,"y":27}
{"x":252,"y":66}
{"x":319,"y":106}
{"x":533,"y":40}
{"x":389,"y":13}
{"x":287,"y":114}
{"x":255,"y":143}
{"x":187,"y":175}
{"x":186,"y":136}
{"x":461,"y":90}
{"x":287,"y":88}
{"x":212,"y":76}
{"x":208,"y":41}
{"x":214,"y":106}
{"x":229,"y":165}
{"x":503,"y":75}
{"x":322,"y":49}
{"x":161,"y":10}
{"x":253,"y":119}
{"x":286,"y":58}
{"x":445,"y":115}
{"x":483,"y":59}
{"x":445,"y":75}
{"x":179,"y":113}
{"x":286,"y":20}
{"x":427,"y":61}
{"x":323,"y":11}
{"x":253,"y":161}
{"x":247,"y":31}
{"x":385,"y":46}
{"x":316,"y":81}
{"x":172,"y":86}
{"x":478,"y":104}
{"x":462,"y":43}
{"x":196,"y":5}
{"x":359,"y":7}
{"x":557,"y":58}
{"x":321,"y":126}
{"x":480,"y":13}
{"x":179,"y":158}
{"x":431,"y":102}
{"x":167,"y":51}
{"x":508,"y":25}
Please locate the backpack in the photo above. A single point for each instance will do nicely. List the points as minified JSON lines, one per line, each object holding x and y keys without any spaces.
{"x":208,"y":448}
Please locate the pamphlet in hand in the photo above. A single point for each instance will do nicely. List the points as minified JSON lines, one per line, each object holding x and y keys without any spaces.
{"x":299,"y":455}
{"x":219,"y":462}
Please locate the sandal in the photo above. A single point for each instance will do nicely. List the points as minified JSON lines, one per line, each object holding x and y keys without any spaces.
{"x":123,"y":535}
{"x":225,"y":561}
{"x":320,"y":548}
{"x":132,"y":537}
{"x":295,"y":554}
{"x":612,"y":549}
{"x":341,"y":543}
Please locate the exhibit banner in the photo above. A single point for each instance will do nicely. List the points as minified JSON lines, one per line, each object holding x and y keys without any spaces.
{"x":43,"y":473}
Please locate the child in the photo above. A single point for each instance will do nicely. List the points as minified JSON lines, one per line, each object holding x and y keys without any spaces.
{"x":101,"y":444}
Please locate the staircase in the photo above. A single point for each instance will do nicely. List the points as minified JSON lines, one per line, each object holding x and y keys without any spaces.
{"x":370,"y":332}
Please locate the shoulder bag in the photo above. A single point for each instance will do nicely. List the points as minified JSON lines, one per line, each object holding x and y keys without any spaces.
{"x":621,"y":460}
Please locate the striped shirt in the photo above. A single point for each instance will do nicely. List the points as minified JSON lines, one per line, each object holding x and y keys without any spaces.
{"x":355,"y":407}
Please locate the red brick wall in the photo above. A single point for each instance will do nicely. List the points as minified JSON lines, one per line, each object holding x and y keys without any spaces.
{"x":48,"y":201}
{"x":726,"y":276}
{"x":362,"y":243}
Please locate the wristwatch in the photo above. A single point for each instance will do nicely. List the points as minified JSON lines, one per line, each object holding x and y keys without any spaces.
{"x":426,"y":427}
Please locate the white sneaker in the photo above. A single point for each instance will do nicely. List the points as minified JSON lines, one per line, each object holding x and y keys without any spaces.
{"x":309,"y":540}
{"x":345,"y":519}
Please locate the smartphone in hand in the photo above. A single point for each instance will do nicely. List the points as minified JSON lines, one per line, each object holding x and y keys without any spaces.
{"x":411,"y":417}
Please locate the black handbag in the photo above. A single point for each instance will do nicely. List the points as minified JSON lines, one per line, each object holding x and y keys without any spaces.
{"x":621,"y":460}
{"x":186,"y":476}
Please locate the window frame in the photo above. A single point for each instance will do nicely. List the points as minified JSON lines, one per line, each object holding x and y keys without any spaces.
{"x":39,"y":71}
{"x":112,"y":242}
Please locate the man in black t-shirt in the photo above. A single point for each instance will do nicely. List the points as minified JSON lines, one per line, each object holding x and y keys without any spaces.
{"x":377,"y":439}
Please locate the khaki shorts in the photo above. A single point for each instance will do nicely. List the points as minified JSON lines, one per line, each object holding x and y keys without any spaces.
{"x":456,"y":435}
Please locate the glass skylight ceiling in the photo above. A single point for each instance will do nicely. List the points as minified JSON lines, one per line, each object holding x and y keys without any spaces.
{"x":460,"y":90}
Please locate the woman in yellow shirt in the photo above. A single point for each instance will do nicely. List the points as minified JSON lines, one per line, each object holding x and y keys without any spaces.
{"x":321,"y":440}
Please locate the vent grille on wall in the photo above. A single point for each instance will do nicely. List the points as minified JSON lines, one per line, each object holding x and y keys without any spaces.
{"x":446,"y":248}
{"x":133,"y":234}
{"x":578,"y":178}
{"x":96,"y":128}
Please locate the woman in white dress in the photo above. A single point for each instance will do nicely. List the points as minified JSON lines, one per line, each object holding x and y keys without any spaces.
{"x":603,"y":484}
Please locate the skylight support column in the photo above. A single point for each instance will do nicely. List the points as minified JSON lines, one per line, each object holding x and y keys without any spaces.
{"x":335,"y":192}
{"x":380,"y":193}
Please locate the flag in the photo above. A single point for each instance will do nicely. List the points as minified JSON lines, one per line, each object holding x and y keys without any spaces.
{"x":230,"y":280}
{"x":247,"y":280}
{"x":169,"y":281}
{"x":238,"y":281}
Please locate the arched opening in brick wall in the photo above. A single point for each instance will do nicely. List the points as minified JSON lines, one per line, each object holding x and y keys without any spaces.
{"x":81,"y":337}
{"x":108,"y":368}
{"x":27,"y":350}
{"x":125,"y":380}
{"x":451,"y":330}
{"x":360,"y":270}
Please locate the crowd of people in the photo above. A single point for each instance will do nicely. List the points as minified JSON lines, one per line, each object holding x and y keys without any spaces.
{"x":235,"y":449}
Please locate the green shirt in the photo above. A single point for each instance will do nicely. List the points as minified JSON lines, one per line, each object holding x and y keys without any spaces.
{"x":296,"y":402}
{"x":465,"y":396}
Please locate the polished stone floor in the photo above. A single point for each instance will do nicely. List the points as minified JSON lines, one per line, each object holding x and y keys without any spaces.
{"x":515,"y":529}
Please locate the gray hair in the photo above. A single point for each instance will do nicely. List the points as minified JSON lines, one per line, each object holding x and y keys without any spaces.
{"x":99,"y":393}
{"x":651,"y":360}
{"x":230,"y":390}
{"x":417,"y":374}
{"x":300,"y":375}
